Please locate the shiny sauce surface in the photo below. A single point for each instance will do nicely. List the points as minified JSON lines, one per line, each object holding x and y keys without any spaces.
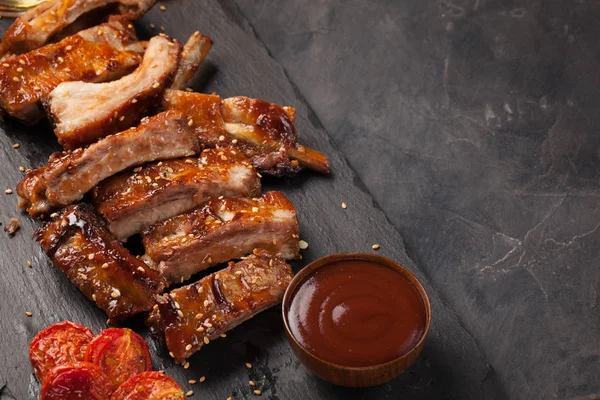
{"x":357,"y":313}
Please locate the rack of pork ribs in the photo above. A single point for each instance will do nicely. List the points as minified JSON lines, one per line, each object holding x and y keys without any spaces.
{"x":142,"y":156}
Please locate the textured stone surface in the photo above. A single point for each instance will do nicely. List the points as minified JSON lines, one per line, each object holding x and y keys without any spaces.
{"x":475,"y":125}
{"x":451,"y":366}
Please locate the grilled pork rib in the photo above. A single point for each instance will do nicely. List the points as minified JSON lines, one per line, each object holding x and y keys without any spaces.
{"x":78,"y":244}
{"x":85,"y":112}
{"x":99,"y":54}
{"x":221,"y":230}
{"x":264,"y":132}
{"x":193,"y":315}
{"x":132,"y":201}
{"x":194,"y":52}
{"x":39,"y":25}
{"x":68,"y":176}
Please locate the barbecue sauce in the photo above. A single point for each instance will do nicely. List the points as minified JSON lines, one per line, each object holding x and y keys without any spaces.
{"x":357,"y":313}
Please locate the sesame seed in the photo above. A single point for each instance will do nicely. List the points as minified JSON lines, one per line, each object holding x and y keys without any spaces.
{"x":29,"y":264}
{"x":254,"y":209}
{"x":223,"y":335}
{"x":190,"y":122}
{"x":234,"y":141}
{"x":171,"y":354}
{"x":16,"y":146}
{"x":91,"y":256}
{"x":188,"y":347}
{"x":192,"y":381}
{"x":230,"y":398}
{"x":302,"y":244}
{"x":252,"y":383}
{"x":22,"y":62}
{"x":162,"y":28}
{"x":121,"y":118}
{"x":94,"y":297}
{"x":206,"y":340}
{"x":115,"y":294}
{"x":221,"y":137}
{"x":180,"y":313}
{"x":133,"y":101}
{"x":186,"y":365}
{"x":344,"y":206}
{"x":21,"y":168}
{"x":208,"y":324}
{"x":28,"y":313}
{"x":206,"y":302}
{"x":200,"y":329}
{"x":20,"y":69}
{"x":257,"y":392}
{"x":6,"y":65}
{"x":163,"y":8}
{"x":199,"y":315}
{"x":8,"y":191}
{"x":248,"y":365}
{"x":152,"y":26}
{"x":189,"y":393}
{"x":202,"y":379}
{"x":375,"y":246}
{"x":60,"y":59}
{"x":69,"y":48}
{"x":156,"y":85}
{"x":141,"y":269}
{"x":105,"y":265}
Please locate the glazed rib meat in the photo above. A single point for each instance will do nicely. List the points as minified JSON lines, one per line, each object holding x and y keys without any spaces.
{"x":263,"y":131}
{"x":68,"y":176}
{"x":99,"y":54}
{"x":85,"y":112}
{"x":39,"y":25}
{"x":193,"y":315}
{"x":221,"y":230}
{"x":78,"y":244}
{"x":194,"y":52}
{"x":132,"y":201}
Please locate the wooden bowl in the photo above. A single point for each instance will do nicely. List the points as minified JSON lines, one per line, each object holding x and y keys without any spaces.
{"x":354,"y":376}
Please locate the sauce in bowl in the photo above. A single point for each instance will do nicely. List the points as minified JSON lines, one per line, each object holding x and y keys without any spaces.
{"x":357,"y":313}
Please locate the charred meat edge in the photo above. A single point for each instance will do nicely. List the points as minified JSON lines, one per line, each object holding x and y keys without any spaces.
{"x":193,"y":315}
{"x":79,"y":245}
{"x":264,"y":131}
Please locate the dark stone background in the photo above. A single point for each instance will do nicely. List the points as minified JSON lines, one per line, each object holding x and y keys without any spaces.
{"x":475,"y":125}
{"x":472,"y":126}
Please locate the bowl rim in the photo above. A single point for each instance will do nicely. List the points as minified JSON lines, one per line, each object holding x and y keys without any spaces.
{"x":335,"y":257}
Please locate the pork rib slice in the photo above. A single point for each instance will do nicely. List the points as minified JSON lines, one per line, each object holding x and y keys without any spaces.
{"x":99,"y":54}
{"x":263,"y":131}
{"x":39,"y":25}
{"x":136,"y":199}
{"x":84,"y":112}
{"x":221,"y":230}
{"x":194,"y":52}
{"x":78,"y":244}
{"x":70,"y":175}
{"x":192,"y":315}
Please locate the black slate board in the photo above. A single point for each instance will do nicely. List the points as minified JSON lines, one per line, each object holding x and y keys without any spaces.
{"x":451,"y":365}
